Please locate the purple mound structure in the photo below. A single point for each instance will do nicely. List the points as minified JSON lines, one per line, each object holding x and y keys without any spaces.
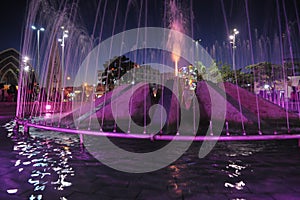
{"x":248,"y":112}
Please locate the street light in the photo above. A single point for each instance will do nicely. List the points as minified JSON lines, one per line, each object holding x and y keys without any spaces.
{"x":62,"y":41}
{"x":25,"y":63}
{"x":25,"y":59}
{"x":38,"y":30}
{"x":232,"y":41}
{"x":26,"y":68}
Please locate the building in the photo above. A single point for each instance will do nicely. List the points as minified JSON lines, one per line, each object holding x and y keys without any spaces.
{"x":146,"y":73}
{"x":9,"y":67}
{"x":9,"y":74}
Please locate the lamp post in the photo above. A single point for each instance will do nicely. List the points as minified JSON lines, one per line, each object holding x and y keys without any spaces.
{"x":62,"y":41}
{"x":232,"y":41}
{"x":38,"y":30}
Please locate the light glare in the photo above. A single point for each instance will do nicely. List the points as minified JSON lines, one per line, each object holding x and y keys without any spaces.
{"x":26,"y":68}
{"x":48,"y":107}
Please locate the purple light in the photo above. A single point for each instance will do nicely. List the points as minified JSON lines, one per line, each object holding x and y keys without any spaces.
{"x":169,"y":137}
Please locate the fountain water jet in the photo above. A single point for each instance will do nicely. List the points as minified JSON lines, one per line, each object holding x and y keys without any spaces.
{"x":74,"y":55}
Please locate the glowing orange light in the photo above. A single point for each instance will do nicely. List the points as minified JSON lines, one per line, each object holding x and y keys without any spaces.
{"x":176,"y":57}
{"x":176,"y":52}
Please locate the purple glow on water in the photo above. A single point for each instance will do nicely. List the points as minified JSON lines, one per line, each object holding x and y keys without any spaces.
{"x":235,"y":170}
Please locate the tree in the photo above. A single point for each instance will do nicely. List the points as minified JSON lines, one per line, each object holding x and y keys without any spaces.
{"x":227,"y":74}
{"x":115,"y":70}
{"x":265,"y":73}
{"x":200,"y":70}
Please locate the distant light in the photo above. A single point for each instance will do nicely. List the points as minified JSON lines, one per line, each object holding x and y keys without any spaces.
{"x":25,"y":59}
{"x":48,"y":115}
{"x":48,"y":107}
{"x":68,"y":78}
{"x":197,"y":41}
{"x":266,"y":86}
{"x":33,"y":27}
{"x":60,"y":40}
{"x":65,"y":35}
{"x":6,"y":87}
{"x":26,"y":68}
{"x":235,"y":31}
{"x":231,"y":37}
{"x":42,"y":29}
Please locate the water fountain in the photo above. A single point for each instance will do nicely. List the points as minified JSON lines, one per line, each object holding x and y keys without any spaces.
{"x":84,"y":65}
{"x":137,"y":95}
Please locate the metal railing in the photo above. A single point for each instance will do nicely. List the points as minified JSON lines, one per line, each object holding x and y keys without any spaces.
{"x":286,"y":103}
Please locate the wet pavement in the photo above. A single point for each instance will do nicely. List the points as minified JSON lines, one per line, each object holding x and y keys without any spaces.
{"x":51,"y":165}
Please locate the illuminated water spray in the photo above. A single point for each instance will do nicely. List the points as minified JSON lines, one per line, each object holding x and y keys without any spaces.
{"x":175,"y":58}
{"x":176,"y":22}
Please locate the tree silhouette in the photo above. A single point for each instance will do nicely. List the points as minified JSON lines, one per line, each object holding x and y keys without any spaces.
{"x":115,"y":70}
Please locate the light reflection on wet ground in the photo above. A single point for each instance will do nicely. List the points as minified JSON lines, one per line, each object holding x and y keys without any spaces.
{"x":50,"y":165}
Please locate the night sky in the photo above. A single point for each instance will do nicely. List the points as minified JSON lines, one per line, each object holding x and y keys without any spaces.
{"x":209,"y":23}
{"x":11,"y":22}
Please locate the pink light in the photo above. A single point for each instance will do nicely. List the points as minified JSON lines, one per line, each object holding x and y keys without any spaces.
{"x":48,"y":107}
{"x":168,"y":137}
